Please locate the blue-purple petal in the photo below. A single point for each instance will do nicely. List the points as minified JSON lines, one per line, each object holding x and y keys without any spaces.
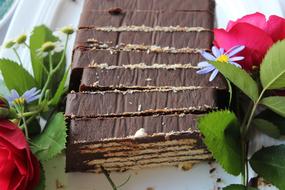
{"x":234,"y":50}
{"x":216,"y":51}
{"x":208,"y":56}
{"x":203,"y":64}
{"x":205,"y":70}
{"x":235,"y":64}
{"x":238,"y":58}
{"x":31,"y":95}
{"x":213,"y":75}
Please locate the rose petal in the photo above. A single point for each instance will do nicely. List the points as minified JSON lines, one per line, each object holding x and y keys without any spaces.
{"x":256,"y":41}
{"x":276,"y":28}
{"x":256,"y":19}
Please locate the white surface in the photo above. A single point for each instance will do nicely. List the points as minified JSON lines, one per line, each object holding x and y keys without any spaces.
{"x":57,"y":13}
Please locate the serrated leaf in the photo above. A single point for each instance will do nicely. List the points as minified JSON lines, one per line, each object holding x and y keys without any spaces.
{"x":274,"y":118}
{"x":269,"y":163}
{"x":41,"y":185}
{"x":52,"y":141}
{"x":266,"y":127}
{"x":222,"y":138}
{"x":239,"y":78}
{"x":238,"y":187}
{"x":272,"y":69}
{"x":22,"y":82}
{"x":275,"y":103}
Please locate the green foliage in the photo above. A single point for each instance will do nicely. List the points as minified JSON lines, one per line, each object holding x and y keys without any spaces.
{"x":272,"y":69}
{"x":22,"y":82}
{"x":274,"y":118}
{"x":52,"y":141}
{"x":240,"y":78}
{"x":41,"y":185}
{"x":269,"y":163}
{"x":275,"y":103}
{"x":60,"y":90}
{"x":266,"y":127}
{"x":222,"y":138}
{"x":238,"y":187}
{"x":40,"y":35}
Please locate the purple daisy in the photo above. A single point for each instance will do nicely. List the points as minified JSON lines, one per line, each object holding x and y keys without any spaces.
{"x":29,"y":96}
{"x":221,"y":56}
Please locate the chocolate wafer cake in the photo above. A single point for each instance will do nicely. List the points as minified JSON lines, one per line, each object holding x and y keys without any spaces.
{"x":135,"y":96}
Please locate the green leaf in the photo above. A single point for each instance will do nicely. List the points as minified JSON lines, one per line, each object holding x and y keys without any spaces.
{"x":240,"y":78}
{"x":274,"y":118}
{"x":238,"y":187}
{"x":269,"y":163}
{"x":275,"y":103}
{"x":266,"y":127}
{"x":272,"y":69}
{"x":60,"y":90}
{"x":23,"y":80}
{"x":41,"y":185}
{"x":222,"y":138}
{"x":40,"y":35}
{"x":52,"y":141}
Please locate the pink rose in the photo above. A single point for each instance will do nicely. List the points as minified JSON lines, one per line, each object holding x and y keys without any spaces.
{"x":254,"y":32}
{"x":19,"y":169}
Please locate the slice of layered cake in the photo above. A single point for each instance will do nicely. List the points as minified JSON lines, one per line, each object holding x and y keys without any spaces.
{"x":136,"y":97}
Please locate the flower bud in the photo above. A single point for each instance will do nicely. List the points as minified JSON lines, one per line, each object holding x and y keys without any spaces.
{"x":67,"y":30}
{"x":9,"y":44}
{"x":21,"y":39}
{"x":48,"y":46}
{"x":3,"y":103}
{"x":4,"y":108}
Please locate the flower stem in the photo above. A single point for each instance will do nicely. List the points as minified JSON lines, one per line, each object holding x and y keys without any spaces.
{"x":25,"y":127}
{"x":50,"y":75}
{"x":107,"y":175}
{"x":18,"y":56}
{"x":63,"y":54}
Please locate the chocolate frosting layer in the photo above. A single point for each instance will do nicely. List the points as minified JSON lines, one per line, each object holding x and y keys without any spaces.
{"x":147,"y":18}
{"x":163,"y":39}
{"x":158,"y":5}
{"x":98,"y":129}
{"x":96,"y":78}
{"x":116,"y":103}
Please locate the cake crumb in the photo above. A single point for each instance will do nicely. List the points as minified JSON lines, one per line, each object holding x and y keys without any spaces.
{"x":150,"y":188}
{"x":140,"y":133}
{"x":140,"y":107}
{"x":185,"y":166}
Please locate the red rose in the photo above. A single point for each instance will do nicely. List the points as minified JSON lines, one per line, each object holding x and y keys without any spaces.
{"x":19,"y":169}
{"x":255,"y":33}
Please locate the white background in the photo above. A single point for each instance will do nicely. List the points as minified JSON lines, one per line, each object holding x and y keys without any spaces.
{"x":57,"y":13}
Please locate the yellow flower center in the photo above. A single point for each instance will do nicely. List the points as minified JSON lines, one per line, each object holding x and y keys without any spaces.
{"x":223,"y":58}
{"x":19,"y":101}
